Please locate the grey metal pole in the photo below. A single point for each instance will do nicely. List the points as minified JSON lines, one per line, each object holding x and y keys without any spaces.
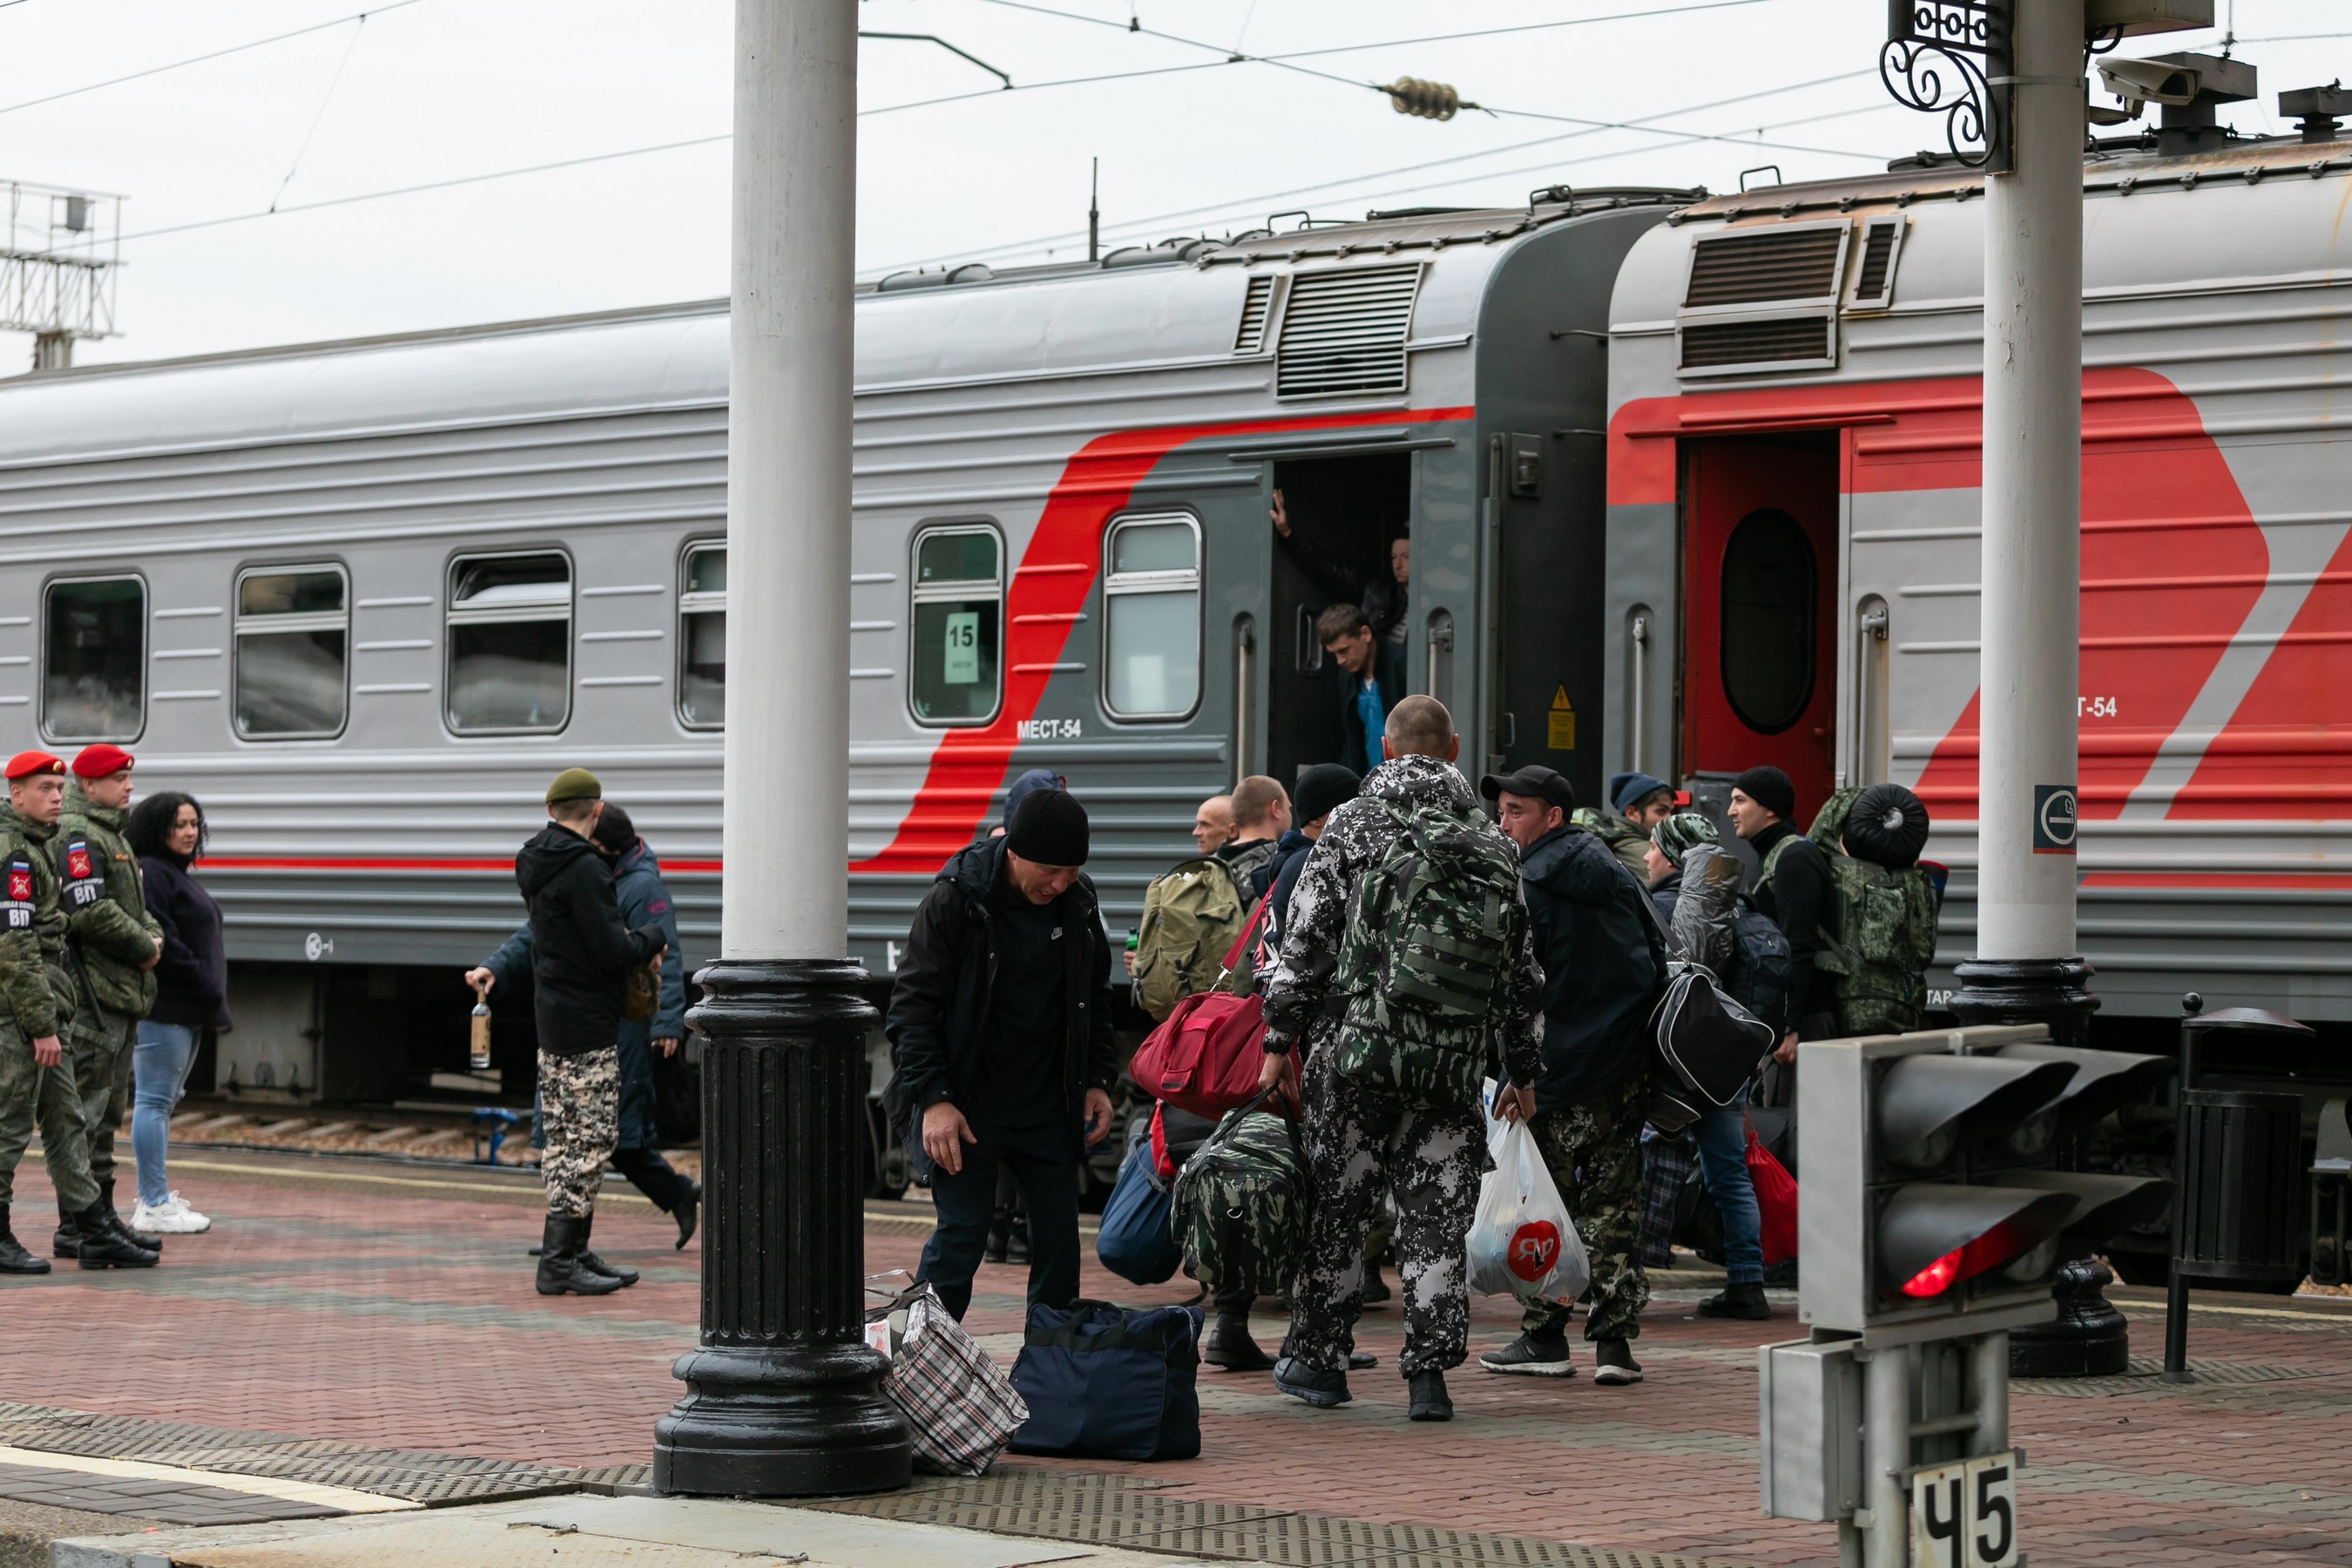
{"x":2025,"y":969}
{"x":1988,"y":1378}
{"x":1885,"y":1455}
{"x":782,"y":1396}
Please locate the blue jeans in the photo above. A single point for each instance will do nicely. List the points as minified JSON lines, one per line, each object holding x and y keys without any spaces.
{"x":159,"y":1073}
{"x":1723,"y":1166}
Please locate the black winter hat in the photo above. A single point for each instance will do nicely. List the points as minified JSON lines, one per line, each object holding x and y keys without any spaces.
{"x":614,"y":834}
{"x":1048,"y":827}
{"x":1886,"y":824}
{"x":1321,"y":789}
{"x":1770,"y":788}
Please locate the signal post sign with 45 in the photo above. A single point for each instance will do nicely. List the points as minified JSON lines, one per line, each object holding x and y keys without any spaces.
{"x":1964,"y":1514}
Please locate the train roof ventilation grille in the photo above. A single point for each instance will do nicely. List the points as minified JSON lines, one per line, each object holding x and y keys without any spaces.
{"x":1762,"y":266}
{"x":1252,"y":336}
{"x":1783,"y":343}
{"x":1344,"y":331}
{"x":1873,"y":280}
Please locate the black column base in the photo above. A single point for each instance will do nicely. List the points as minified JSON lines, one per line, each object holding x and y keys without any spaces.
{"x":2089,"y":1338}
{"x":2053,"y":991}
{"x":783,"y":1398}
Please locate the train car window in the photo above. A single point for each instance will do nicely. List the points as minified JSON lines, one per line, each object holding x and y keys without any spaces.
{"x":702,"y":639}
{"x":292,"y":631}
{"x":510,"y":644}
{"x":94,"y":646}
{"x":1151,"y":617}
{"x":1768,"y":621}
{"x":956,"y":641}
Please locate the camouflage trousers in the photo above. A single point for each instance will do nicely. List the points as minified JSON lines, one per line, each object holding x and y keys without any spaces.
{"x":98,"y":1047}
{"x":1362,"y":1146}
{"x":580,"y":1109}
{"x":47,"y":1095}
{"x":1594,"y":1153}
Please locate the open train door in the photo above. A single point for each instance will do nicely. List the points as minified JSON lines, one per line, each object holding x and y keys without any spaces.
{"x":1759,"y":583}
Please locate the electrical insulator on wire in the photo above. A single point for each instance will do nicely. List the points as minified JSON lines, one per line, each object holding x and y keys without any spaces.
{"x":1429,"y":99}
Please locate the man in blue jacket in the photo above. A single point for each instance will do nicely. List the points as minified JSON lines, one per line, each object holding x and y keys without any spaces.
{"x":644,"y":901}
{"x":1602,"y":960}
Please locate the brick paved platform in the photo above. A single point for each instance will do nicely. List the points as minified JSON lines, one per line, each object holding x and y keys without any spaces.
{"x":392,"y":1309}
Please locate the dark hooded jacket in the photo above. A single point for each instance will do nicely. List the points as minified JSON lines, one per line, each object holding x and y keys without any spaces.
{"x":940,"y":1002}
{"x":581,"y":951}
{"x":1601,"y":958}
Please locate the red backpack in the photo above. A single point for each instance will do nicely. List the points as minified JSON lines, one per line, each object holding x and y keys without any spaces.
{"x":1206,"y":1055}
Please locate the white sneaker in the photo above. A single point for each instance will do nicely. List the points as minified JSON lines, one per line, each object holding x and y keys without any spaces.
{"x":172,"y":1216}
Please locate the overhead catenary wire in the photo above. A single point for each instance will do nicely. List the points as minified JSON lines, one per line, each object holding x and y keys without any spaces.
{"x":215,"y":55}
{"x":318,"y":119}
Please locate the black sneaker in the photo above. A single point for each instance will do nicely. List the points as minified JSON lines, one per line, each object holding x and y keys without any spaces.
{"x":1743,"y":1300}
{"x":1613,"y":1363}
{"x":1427,"y":1399}
{"x":1362,"y":1361}
{"x":1321,"y":1389}
{"x":1528,"y":1356}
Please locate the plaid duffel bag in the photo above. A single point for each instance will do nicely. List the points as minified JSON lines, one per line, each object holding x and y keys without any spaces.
{"x":960,"y":1405}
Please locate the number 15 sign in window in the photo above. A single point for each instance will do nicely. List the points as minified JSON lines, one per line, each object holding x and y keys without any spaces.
{"x":956,"y":640}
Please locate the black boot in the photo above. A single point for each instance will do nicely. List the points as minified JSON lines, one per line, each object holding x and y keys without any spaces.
{"x":561,"y":1272}
{"x":100,"y":1249}
{"x":596,"y":1265}
{"x":13,"y":1258}
{"x":114,"y":1220}
{"x":1229,"y":1346}
{"x":66,"y":1240}
{"x":1000,"y":1236}
{"x":687,"y":1210}
{"x":1740,"y":1301}
{"x":1016,"y":1245}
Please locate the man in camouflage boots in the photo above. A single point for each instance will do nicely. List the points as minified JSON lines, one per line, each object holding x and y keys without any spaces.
{"x":1408,"y":944}
{"x":37,"y":1005}
{"x":112,"y":944}
{"x":580,"y":958}
{"x":1602,"y":960}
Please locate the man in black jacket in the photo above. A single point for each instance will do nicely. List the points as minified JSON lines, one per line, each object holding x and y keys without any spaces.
{"x":1792,"y":891}
{"x":1602,"y":960}
{"x":1369,"y":672}
{"x":582,"y":956}
{"x":1001,"y":1021}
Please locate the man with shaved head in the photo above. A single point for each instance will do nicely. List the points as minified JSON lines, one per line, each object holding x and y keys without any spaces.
{"x":1407,"y":945}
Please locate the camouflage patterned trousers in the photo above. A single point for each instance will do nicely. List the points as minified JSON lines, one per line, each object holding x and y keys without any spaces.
{"x":1595,"y":1151}
{"x":579,"y":1107}
{"x":30,"y":1093}
{"x":97,"y":1046}
{"x":1362,"y":1146}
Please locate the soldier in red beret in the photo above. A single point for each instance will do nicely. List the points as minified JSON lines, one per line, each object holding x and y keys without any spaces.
{"x":113,"y":946}
{"x":37,"y":1004}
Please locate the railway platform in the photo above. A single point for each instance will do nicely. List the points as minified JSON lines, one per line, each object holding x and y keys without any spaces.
{"x":351,"y":1367}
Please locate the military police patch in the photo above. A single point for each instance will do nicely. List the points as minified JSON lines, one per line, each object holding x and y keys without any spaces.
{"x":83,"y":887}
{"x":19,"y":902}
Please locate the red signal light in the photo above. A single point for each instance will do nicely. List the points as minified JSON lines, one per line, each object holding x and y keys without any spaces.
{"x":1938,"y":1276}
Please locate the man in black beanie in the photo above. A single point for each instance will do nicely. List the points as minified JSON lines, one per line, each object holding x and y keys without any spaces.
{"x":1792,"y":890}
{"x":1001,"y":1021}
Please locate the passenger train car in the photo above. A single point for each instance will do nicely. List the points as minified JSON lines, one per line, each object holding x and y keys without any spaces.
{"x":1690,"y":483}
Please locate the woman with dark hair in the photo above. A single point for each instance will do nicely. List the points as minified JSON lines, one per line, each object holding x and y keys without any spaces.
{"x":167,"y":833}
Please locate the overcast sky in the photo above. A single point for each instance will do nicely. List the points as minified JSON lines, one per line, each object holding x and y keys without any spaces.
{"x":430,"y":91}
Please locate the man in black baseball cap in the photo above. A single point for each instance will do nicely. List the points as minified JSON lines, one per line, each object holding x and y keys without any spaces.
{"x":1601,"y":959}
{"x":1001,"y":1020}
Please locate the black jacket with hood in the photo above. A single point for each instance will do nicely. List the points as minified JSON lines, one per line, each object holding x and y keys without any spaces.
{"x":1602,"y":961}
{"x":940,"y":1001}
{"x":580,"y":953}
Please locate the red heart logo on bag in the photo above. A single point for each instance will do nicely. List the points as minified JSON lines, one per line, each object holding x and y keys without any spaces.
{"x":1533,"y":1248}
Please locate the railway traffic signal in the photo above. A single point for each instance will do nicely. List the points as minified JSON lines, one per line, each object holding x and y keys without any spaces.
{"x":1930,"y":1191}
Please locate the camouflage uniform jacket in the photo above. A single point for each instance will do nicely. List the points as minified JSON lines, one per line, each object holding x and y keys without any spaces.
{"x":1354,"y":838}
{"x":105,"y":905}
{"x":33,"y":985}
{"x":1625,"y":839}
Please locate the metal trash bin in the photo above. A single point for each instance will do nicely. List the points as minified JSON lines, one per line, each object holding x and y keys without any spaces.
{"x":2241,"y":1179}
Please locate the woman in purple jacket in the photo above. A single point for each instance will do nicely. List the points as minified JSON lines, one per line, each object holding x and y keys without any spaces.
{"x":167,"y":833}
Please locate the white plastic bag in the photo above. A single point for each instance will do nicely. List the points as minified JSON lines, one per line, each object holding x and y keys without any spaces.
{"x":1523,"y":1244}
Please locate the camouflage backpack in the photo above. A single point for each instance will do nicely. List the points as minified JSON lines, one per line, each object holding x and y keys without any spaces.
{"x":1878,"y":939}
{"x":1426,"y":958}
{"x":1191,"y":917}
{"x":1240,"y":1204}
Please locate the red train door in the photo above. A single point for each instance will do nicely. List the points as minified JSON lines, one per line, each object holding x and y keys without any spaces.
{"x":1759,"y":591}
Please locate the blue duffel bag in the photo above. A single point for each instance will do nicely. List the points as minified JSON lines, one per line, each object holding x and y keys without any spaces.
{"x":1136,"y":1242}
{"x":1110,"y":1383}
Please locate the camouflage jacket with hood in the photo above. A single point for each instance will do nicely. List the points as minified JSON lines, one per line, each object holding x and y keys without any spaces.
{"x":34,"y":989}
{"x":1354,"y":839}
{"x":105,"y":905}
